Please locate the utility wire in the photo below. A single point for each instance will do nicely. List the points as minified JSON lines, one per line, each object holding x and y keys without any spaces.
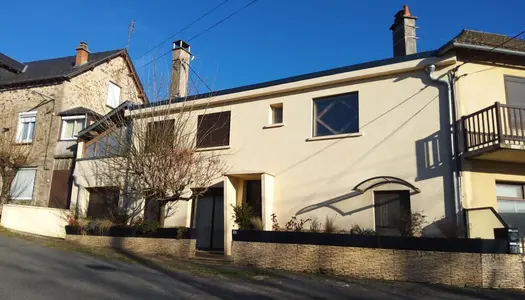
{"x":204,"y":31}
{"x":492,"y":49}
{"x":186,"y":27}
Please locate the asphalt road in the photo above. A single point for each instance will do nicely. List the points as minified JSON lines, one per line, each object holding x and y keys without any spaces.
{"x":29,"y":271}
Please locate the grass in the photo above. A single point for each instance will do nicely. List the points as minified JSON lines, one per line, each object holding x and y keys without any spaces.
{"x":181,"y":266}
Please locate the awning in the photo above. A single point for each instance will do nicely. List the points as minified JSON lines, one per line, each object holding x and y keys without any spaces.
{"x":373,"y":182}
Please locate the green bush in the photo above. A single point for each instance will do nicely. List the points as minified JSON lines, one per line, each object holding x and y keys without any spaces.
{"x":242,"y":216}
{"x":257,"y":223}
{"x":315,"y":225}
{"x":148,"y":226}
{"x":356,"y":229}
{"x":294,"y":225}
{"x":329,"y":225}
{"x":180,"y":232}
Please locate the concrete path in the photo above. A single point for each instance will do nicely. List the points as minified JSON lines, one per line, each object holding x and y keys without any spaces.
{"x":31,"y":271}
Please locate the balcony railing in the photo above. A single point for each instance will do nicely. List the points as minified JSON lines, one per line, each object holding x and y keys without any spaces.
{"x":497,"y":126}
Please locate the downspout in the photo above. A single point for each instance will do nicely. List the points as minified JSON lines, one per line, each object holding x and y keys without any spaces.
{"x":448,"y":81}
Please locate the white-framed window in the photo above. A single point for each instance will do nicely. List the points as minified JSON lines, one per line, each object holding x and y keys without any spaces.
{"x":71,"y":126}
{"x":26,"y":127}
{"x":335,"y":115}
{"x":113,"y":95}
{"x":276,"y":113}
{"x":23,"y":185}
{"x":511,"y":197}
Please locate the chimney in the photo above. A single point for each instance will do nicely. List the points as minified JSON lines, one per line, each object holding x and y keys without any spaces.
{"x":404,"y":32}
{"x":180,"y":69}
{"x":82,"y":54}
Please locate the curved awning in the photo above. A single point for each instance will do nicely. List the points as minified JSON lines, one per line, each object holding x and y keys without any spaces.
{"x":373,"y":182}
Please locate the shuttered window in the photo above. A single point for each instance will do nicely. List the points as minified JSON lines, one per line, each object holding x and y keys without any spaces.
{"x":213,"y":130}
{"x":23,"y":185}
{"x":392,"y":209}
{"x":113,"y":95}
{"x":515,"y":89}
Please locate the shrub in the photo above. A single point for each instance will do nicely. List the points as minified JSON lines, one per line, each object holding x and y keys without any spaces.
{"x":329,"y":225}
{"x":148,"y":226}
{"x":257,"y":223}
{"x":180,"y":232}
{"x":72,"y":221}
{"x":294,"y":225}
{"x":275,"y":224}
{"x":411,"y":224}
{"x":315,"y":225}
{"x":242,"y":215}
{"x":356,"y":229}
{"x":102,"y":226}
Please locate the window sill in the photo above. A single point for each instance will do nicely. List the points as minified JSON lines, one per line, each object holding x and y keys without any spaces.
{"x":213,"y":148}
{"x":24,"y":143}
{"x":67,"y":139}
{"x":276,"y":125}
{"x":333,"y":137}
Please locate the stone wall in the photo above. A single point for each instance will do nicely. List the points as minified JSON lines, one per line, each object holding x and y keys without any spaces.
{"x":184,"y":248}
{"x":450,"y":268}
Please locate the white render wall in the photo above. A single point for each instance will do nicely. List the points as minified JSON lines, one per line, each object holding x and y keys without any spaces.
{"x":37,"y":220}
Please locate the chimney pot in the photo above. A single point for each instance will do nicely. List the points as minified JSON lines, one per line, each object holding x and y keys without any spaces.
{"x":82,"y":54}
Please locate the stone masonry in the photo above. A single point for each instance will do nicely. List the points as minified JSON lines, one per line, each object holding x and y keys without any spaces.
{"x":183,"y":248}
{"x":88,"y":89}
{"x":449,"y":268}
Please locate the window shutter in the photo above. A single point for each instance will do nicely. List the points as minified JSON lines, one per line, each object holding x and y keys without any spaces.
{"x":213,"y":130}
{"x":113,"y":95}
{"x":515,"y":87}
{"x":23,"y":184}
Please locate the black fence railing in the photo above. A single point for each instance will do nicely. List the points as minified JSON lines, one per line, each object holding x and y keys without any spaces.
{"x":375,"y":241}
{"x":496,"y":124}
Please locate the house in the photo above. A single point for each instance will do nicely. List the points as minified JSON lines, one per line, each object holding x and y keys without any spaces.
{"x":45,"y":103}
{"x":364,"y":144}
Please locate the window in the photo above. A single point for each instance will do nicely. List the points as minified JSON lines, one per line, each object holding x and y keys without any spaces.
{"x":71,"y":126}
{"x":160,"y":134}
{"x":392,"y":211}
{"x":515,"y":90}
{"x":113,"y":143}
{"x":23,"y":184}
{"x":26,"y":127}
{"x":510,"y":197}
{"x":213,"y":130}
{"x":113,"y":95}
{"x":103,"y":202}
{"x":336,"y":115}
{"x":276,"y":113}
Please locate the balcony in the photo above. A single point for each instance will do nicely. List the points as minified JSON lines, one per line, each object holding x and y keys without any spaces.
{"x":495,"y":133}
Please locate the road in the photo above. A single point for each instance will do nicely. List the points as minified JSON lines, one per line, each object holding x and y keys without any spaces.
{"x":32,"y":271}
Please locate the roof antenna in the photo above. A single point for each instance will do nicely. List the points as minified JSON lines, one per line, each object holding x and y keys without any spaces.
{"x":131,"y":28}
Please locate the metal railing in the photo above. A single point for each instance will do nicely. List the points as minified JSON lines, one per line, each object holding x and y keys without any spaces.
{"x":493,"y":125}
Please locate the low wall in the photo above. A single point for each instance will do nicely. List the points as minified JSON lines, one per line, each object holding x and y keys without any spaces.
{"x":35,"y":220}
{"x":183,"y":248}
{"x":450,"y":268}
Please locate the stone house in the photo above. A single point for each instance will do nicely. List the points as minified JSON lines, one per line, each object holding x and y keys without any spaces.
{"x":47,"y":102}
{"x":439,"y":132}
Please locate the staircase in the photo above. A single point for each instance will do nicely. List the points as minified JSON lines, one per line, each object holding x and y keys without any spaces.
{"x":211,"y":257}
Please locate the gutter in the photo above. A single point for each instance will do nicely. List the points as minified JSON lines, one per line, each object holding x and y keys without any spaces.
{"x":456,"y":173}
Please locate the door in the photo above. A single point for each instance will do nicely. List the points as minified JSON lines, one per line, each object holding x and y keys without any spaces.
{"x":209,"y":220}
{"x":392,"y":212}
{"x":60,"y":187}
{"x":254,"y":197}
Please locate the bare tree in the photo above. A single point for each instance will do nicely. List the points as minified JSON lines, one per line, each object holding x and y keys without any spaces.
{"x":155,"y":156}
{"x":13,"y":156}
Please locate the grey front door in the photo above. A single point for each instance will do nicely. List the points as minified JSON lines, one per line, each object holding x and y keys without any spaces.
{"x":209,"y":221}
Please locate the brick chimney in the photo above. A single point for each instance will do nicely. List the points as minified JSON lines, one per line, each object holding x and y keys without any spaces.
{"x":82,"y":54}
{"x":180,"y":69}
{"x":404,"y":32}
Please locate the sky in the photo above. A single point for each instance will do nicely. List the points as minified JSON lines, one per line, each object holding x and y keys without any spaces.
{"x":268,"y":40}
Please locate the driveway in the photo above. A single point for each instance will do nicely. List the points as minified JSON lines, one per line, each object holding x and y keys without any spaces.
{"x":29,"y":271}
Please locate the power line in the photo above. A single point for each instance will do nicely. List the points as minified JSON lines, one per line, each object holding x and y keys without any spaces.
{"x":492,"y":49}
{"x":202,"y":32}
{"x":186,"y":27}
{"x":216,"y":24}
{"x":199,"y":77}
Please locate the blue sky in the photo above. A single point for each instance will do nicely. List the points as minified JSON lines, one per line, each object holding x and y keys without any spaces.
{"x":270,"y":39}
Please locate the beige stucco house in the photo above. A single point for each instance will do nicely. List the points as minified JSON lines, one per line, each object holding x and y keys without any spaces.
{"x":365,"y":143}
{"x":46,"y":103}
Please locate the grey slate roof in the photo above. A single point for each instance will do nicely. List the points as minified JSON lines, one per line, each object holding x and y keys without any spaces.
{"x":57,"y":69}
{"x":79,"y":110}
{"x":10,"y":64}
{"x":491,"y":40}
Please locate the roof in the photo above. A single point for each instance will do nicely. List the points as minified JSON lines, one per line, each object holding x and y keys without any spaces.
{"x":485,"y":39}
{"x":10,"y":64}
{"x":79,"y":110}
{"x":114,"y":115}
{"x":356,"y":67}
{"x":56,"y":69}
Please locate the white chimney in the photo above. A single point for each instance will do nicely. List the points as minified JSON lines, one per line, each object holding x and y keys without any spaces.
{"x":180,"y":70}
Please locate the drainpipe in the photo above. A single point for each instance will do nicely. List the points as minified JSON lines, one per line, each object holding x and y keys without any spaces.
{"x":448,"y":81}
